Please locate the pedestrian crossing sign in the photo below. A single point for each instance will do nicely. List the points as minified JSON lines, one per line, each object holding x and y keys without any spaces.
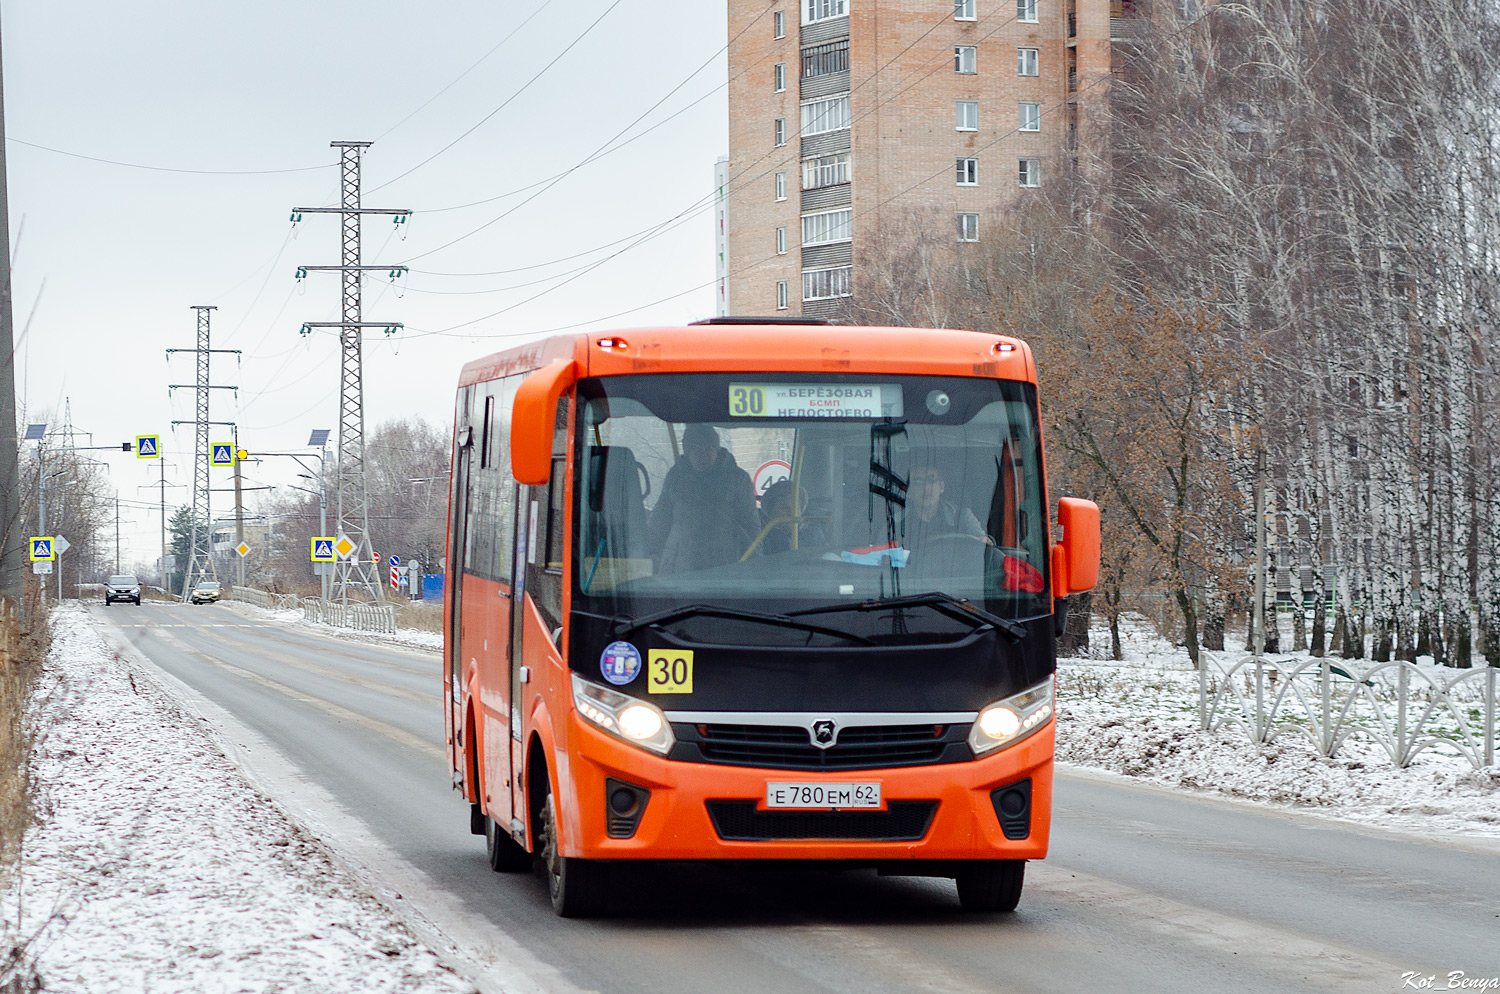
{"x":223,"y":454}
{"x":41,"y":549}
{"x":148,"y":446}
{"x":322,"y":549}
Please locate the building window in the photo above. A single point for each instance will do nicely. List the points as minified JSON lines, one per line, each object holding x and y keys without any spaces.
{"x":828,"y":114}
{"x":821,"y":10}
{"x":781,"y":295}
{"x":966,"y":115}
{"x":781,"y":186}
{"x":965,"y":59}
{"x":968,"y":227}
{"x":780,"y":131}
{"x":822,"y":60}
{"x":963,"y":10}
{"x":1031,"y":115}
{"x":1026,"y":11}
{"x":968,"y":172}
{"x":822,"y":284}
{"x":778,"y":76}
{"x":778,"y":21}
{"x":1031,"y":172}
{"x":830,"y":226}
{"x":1027,"y":62}
{"x":781,"y":241}
{"x":825,"y":170}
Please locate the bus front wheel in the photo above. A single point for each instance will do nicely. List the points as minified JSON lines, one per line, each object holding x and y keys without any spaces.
{"x":991,"y":884}
{"x":576,"y":886}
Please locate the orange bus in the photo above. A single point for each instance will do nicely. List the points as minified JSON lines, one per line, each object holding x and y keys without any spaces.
{"x":757,"y":590}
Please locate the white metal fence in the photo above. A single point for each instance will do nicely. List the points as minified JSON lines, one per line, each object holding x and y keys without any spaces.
{"x":1403,"y":708}
{"x":359,"y":617}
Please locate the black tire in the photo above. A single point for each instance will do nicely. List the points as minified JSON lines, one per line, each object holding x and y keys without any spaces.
{"x":578,"y":887}
{"x":991,"y":884}
{"x":505,"y":853}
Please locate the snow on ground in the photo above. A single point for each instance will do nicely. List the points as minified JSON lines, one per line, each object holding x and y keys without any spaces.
{"x":1139,"y":718}
{"x":156,"y":867}
{"x":407,"y":638}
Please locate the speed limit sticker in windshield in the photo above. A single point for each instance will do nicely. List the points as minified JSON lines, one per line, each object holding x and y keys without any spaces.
{"x":815,"y":400}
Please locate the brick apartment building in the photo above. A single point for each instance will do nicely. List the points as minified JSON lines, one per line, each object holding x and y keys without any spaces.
{"x":846,"y":115}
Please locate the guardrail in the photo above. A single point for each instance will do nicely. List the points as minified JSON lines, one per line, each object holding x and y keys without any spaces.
{"x":359,"y":617}
{"x":1403,"y":708}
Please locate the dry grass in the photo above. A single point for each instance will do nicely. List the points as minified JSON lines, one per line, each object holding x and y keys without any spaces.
{"x":424,"y":615}
{"x":24,"y":640}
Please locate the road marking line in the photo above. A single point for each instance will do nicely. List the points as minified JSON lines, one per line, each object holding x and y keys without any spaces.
{"x":335,"y":711}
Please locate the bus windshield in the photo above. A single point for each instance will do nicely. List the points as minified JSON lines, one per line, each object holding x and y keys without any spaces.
{"x":809,"y":495}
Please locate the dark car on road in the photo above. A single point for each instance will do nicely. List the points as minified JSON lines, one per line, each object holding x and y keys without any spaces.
{"x":123,"y":587}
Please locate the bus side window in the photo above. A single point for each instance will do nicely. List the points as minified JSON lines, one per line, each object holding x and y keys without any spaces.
{"x":546,"y":582}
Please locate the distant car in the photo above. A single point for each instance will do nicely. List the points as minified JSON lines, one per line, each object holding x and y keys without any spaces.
{"x":206,"y":592}
{"x":124,"y":587}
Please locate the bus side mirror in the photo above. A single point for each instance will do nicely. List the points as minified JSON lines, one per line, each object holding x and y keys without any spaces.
{"x":533,"y":420}
{"x":1075,"y":560}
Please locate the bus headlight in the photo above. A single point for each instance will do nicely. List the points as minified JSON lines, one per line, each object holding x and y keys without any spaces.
{"x":632,"y":719}
{"x":1012,"y":719}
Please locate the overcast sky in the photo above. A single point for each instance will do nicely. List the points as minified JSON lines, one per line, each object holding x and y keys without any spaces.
{"x":108,"y":259}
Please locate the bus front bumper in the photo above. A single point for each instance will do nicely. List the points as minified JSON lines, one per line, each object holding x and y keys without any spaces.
{"x":710,"y":811}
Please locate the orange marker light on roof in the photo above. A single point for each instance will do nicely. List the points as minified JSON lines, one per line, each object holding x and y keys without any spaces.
{"x":613,"y":343}
{"x":1004,"y":347}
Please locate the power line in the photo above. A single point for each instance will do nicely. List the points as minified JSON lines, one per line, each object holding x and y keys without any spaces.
{"x":172,"y":169}
{"x":507,"y":101}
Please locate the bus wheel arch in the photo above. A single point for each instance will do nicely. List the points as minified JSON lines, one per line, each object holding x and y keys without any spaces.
{"x":578,"y":888}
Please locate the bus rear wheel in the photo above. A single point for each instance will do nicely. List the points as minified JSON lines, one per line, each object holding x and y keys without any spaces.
{"x":577,"y":887}
{"x":505,"y":853}
{"x":991,"y":884}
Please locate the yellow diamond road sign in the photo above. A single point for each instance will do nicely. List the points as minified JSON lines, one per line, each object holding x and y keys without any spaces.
{"x":243,"y":548}
{"x":343,"y":546}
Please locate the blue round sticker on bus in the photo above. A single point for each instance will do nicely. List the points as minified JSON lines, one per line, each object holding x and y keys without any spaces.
{"x":620,"y":662}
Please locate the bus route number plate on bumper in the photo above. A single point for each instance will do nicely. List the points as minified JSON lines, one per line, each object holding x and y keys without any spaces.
{"x":823,"y":796}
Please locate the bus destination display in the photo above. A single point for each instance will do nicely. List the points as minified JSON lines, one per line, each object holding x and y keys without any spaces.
{"x":815,"y":400}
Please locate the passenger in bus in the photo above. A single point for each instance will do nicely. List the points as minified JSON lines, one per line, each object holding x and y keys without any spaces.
{"x":776,"y":505}
{"x":929,"y":516}
{"x":705,"y":516}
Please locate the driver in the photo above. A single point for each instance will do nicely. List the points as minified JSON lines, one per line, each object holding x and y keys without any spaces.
{"x":929,"y":516}
{"x":706,"y":514}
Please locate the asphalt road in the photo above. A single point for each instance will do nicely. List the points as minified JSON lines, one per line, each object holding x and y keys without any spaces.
{"x":1145,"y":890}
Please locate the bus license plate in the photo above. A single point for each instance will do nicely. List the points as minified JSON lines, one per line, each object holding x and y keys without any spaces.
{"x":823,"y":795}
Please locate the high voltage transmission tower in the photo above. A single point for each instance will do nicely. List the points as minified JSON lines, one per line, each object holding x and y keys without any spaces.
{"x":200,"y":558}
{"x":358,"y":567}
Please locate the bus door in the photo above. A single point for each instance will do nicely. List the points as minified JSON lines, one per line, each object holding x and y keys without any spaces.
{"x":457,"y":534}
{"x":541,"y":517}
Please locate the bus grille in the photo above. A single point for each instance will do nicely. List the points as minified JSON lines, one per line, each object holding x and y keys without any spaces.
{"x":739,"y":821}
{"x":787,"y":747}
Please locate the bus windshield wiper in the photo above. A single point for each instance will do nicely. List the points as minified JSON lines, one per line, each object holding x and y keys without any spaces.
{"x":626,"y":624}
{"x":954,"y":607}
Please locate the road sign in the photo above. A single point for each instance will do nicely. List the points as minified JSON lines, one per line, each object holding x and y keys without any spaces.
{"x":169,"y":564}
{"x":42,"y":548}
{"x":148,"y":446}
{"x":45,"y":566}
{"x":60,"y":544}
{"x":395,"y":560}
{"x":395,"y":579}
{"x":343,"y":546}
{"x":323,"y":549}
{"x":770,"y":472}
{"x":223,"y":454}
{"x":374,"y":557}
{"x":243,"y":549}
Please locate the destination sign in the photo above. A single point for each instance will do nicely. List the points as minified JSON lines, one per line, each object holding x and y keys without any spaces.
{"x":815,"y":400}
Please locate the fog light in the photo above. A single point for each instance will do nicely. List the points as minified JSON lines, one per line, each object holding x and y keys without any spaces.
{"x":622,"y":801}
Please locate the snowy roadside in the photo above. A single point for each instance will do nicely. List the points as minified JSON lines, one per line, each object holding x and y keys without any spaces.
{"x":156,"y":867}
{"x":1139,"y":718}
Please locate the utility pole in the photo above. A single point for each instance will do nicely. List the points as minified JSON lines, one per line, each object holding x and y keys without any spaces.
{"x":358,"y":568}
{"x":12,"y":537}
{"x":201,"y":553}
{"x":239,"y":514}
{"x":117,"y":535}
